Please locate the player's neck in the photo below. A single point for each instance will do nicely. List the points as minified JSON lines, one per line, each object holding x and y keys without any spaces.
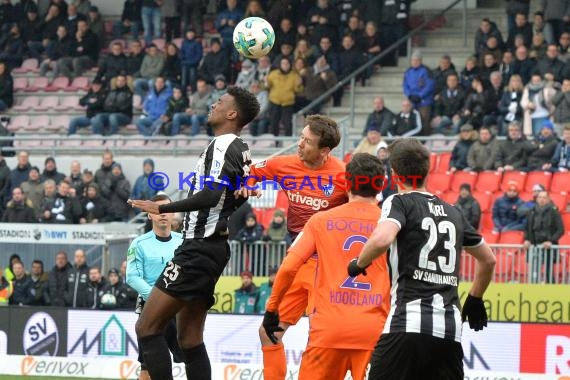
{"x":315,"y":164}
{"x":163,"y":233}
{"x":227,"y":130}
{"x":359,"y":198}
{"x":408,"y":189}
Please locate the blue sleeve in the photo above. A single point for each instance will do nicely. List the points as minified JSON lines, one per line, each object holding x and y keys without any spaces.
{"x":135,"y":271}
{"x":556,"y":156}
{"x":496,"y":212}
{"x":406,"y":87}
{"x":429,"y":87}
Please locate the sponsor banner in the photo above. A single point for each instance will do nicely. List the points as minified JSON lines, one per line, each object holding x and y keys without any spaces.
{"x":4,"y":329}
{"x":497,"y":348}
{"x":92,"y":234}
{"x":545,"y":349}
{"x":224,"y":293}
{"x":38,"y":333}
{"x":126,"y":369}
{"x":524,"y":302}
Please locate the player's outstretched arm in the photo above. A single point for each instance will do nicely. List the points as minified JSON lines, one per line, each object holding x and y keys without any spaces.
{"x":205,"y":198}
{"x":379,"y":242}
{"x":474,"y":309}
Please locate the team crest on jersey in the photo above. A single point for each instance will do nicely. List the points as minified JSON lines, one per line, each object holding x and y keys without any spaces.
{"x":328,"y":189}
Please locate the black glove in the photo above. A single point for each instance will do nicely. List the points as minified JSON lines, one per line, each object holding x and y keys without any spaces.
{"x":354,"y":270}
{"x":271,"y":325}
{"x":474,"y":311}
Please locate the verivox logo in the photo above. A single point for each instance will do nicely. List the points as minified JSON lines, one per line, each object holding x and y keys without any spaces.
{"x":52,"y":367}
{"x":127,"y":368}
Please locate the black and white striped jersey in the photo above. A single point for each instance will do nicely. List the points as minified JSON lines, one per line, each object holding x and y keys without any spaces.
{"x":424,"y":262}
{"x":224,"y":163}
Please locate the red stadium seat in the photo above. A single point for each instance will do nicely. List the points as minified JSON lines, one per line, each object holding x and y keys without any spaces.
{"x":19,"y":122}
{"x":542,"y":178}
{"x":467,"y":267}
{"x":488,"y":181}
{"x":68,"y":103}
{"x":79,"y":83}
{"x":450,"y":197}
{"x":443,"y":162}
{"x":29,"y":65}
{"x":490,"y":237}
{"x":521,"y":267}
{"x":511,"y":237}
{"x":438,"y":183}
{"x":160,"y":43}
{"x":504,"y":266}
{"x":59,"y":122}
{"x":347,"y":158}
{"x":513,"y":175}
{"x":432,"y":162}
{"x":566,"y":221}
{"x":37,"y":123}
{"x":484,"y":199}
{"x":560,"y":200}
{"x":461,"y":177}
{"x":29,"y":103}
{"x":38,"y":84}
{"x":20,"y":84}
{"x":47,"y":103}
{"x":178,"y":42}
{"x":560,"y":182}
{"x":486,"y":224}
{"x":58,"y":84}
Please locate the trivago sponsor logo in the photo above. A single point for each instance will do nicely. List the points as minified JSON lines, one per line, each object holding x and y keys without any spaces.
{"x":37,"y":366}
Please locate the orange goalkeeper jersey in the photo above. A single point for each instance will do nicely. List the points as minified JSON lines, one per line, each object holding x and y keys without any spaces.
{"x":308,"y":190}
{"x":349,"y":312}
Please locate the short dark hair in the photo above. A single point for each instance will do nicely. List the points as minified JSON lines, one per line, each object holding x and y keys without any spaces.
{"x":41,"y":263}
{"x":160,"y":197}
{"x":409,"y":159}
{"x":365,"y":164}
{"x":246,"y":104}
{"x":326,"y":128}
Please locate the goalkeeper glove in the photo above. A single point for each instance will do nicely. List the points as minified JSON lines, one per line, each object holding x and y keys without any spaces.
{"x":271,"y":325}
{"x":354,"y":270}
{"x":474,"y":311}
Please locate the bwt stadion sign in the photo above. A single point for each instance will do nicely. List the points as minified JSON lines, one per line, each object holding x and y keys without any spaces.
{"x":101,"y":333}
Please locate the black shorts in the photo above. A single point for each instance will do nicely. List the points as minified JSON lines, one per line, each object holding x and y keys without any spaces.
{"x":194,"y":270}
{"x":411,"y":356}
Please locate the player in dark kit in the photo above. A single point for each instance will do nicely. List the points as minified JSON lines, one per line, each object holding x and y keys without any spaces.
{"x":186,"y":286}
{"x":422,"y":334}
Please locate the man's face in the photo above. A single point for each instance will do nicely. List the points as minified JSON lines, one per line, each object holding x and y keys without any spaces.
{"x":484,"y":136}
{"x":17,"y":195}
{"x":512,"y":192}
{"x":452,"y":82}
{"x":325,"y":44}
{"x":75,"y":168}
{"x":61,"y":32}
{"x":63,"y":189}
{"x":94,"y":275}
{"x":50,"y":165}
{"x":34,"y":175}
{"x":60,"y":260}
{"x":485,"y":26}
{"x":378,"y":104}
{"x":285,"y":65}
{"x":177,"y":94}
{"x":79,"y":257}
{"x":546,"y":132}
{"x":308,"y":146}
{"x":373,"y":137}
{"x":82,"y":26}
{"x":23,"y":159}
{"x":514,"y":133}
{"x":107,"y":159}
{"x":542,"y":199}
{"x":463,"y":193}
{"x":147,"y":168}
{"x":117,"y":49}
{"x":162,"y":221}
{"x":113,"y":278}
{"x":347,"y":42}
{"x":489,"y":60}
{"x":565,"y":39}
{"x":124,"y":268}
{"x":159,"y":83}
{"x":538,"y":21}
{"x":406,"y":106}
{"x":521,"y":53}
{"x":116,"y":171}
{"x":245,"y":281}
{"x":87,"y":177}
{"x":18,"y":269}
{"x":91,"y":192}
{"x":264,"y":62}
{"x":220,"y":110}
{"x":444,"y":64}
{"x":216,"y":47}
{"x":415,"y":62}
{"x":36,"y":269}
{"x":566,"y":136}
{"x":250,"y":222}
{"x":520,"y":20}
{"x":496,"y":81}
{"x":152,"y":51}
{"x":71,"y":10}
{"x":286,"y":25}
{"x":552,"y":52}
{"x":135,"y":48}
{"x":201,"y":86}
{"x":49,"y":189}
{"x":353,"y":23}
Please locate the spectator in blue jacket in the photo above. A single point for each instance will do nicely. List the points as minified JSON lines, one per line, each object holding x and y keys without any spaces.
{"x":142,"y":189}
{"x":191,"y":54}
{"x":419,"y":87}
{"x":154,"y":106}
{"x":505,"y":215}
{"x":227,"y":21}
{"x":561,"y":158}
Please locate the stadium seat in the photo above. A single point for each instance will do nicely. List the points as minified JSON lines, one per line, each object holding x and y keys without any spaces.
{"x":566,"y":220}
{"x":29,"y":65}
{"x":433,"y":162}
{"x":131,"y":127}
{"x":511,"y":237}
{"x":488,"y":181}
{"x":114,"y":141}
{"x":504,"y":266}
{"x":135,"y":141}
{"x":266,"y":140}
{"x":443,"y":162}
{"x":560,"y":200}
{"x":59,"y":122}
{"x":347,"y":158}
{"x":37,"y":123}
{"x":29,"y":103}
{"x":18,"y":123}
{"x":491,"y":237}
{"x":178,"y":42}
{"x":560,"y":182}
{"x":160,"y":43}
{"x":450,"y":197}
{"x":37,"y":84}
{"x":68,"y":103}
{"x":50,"y":141}
{"x":438,"y":183}
{"x":461,"y":177}
{"x":484,"y":199}
{"x":542,"y":178}
{"x":513,"y":175}
{"x":72,"y":141}
{"x":94,"y":141}
{"x":20,"y":84}
{"x":47,"y":103}
{"x":486,"y":224}
{"x":467,"y":267}
{"x":58,"y":84}
{"x":78,"y":83}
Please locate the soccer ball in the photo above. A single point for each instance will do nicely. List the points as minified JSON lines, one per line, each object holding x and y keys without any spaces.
{"x":108,"y":300}
{"x":253,"y":37}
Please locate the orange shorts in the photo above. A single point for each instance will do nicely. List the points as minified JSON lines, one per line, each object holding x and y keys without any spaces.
{"x":299,"y":298}
{"x":320,"y":363}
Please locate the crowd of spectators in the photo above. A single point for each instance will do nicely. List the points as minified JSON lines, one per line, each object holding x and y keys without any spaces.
{"x":317,"y":44}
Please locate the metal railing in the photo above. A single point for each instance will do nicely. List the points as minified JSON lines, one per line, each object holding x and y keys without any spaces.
{"x":352,"y":77}
{"x":256,"y":257}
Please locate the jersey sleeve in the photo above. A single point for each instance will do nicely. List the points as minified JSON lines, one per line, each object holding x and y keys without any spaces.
{"x":229,"y":165}
{"x":135,"y":270}
{"x":266,"y":169}
{"x":393,"y":210}
{"x":471,"y":238}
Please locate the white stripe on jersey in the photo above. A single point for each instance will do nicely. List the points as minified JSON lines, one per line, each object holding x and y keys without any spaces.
{"x":214,"y":216}
{"x":458,"y":323}
{"x":438,"y":315}
{"x":393,"y":263}
{"x":413,"y":316}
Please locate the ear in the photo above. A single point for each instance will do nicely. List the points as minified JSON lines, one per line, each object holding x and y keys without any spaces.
{"x":232,"y":115}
